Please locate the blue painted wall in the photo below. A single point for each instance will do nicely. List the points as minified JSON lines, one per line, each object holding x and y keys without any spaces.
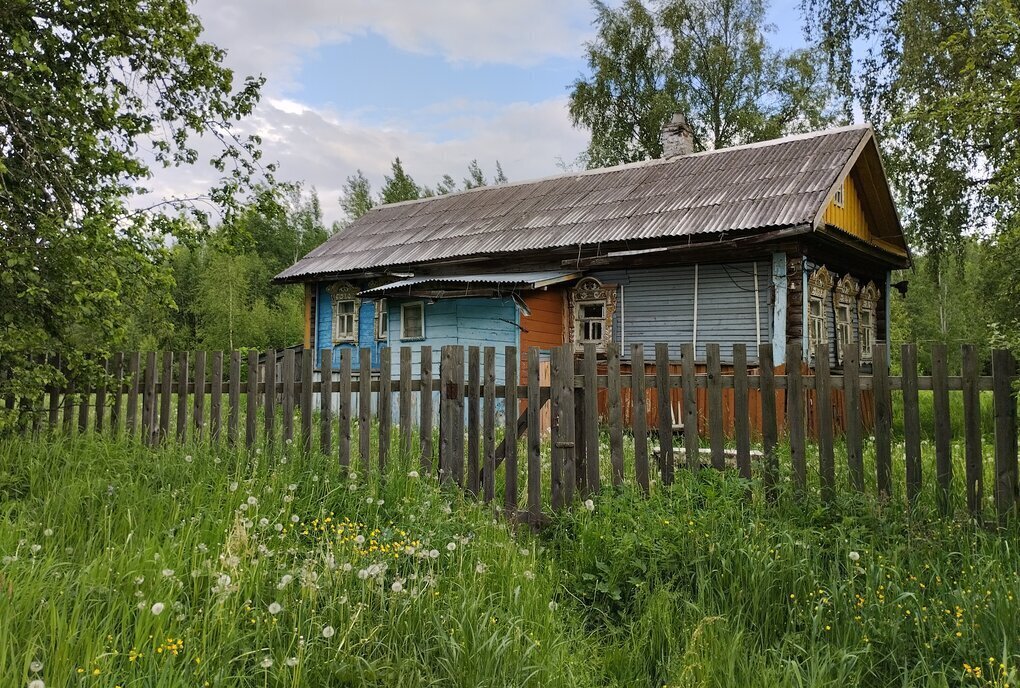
{"x":324,"y":329}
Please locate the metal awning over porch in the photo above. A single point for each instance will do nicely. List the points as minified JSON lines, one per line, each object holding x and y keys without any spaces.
{"x":470,"y":285}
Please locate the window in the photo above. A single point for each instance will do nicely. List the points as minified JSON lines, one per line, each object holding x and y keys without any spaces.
{"x":412,"y":320}
{"x":819,"y":286}
{"x":592,"y":305}
{"x":846,"y":304}
{"x":867,"y":306}
{"x":343,"y":321}
{"x":382,"y":320}
{"x":839,"y":198}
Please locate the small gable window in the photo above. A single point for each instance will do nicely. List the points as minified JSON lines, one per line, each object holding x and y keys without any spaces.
{"x":819,"y":286}
{"x":345,"y":312}
{"x":867,"y":305}
{"x":845,"y":305}
{"x":592,"y":305}
{"x":839,"y":198}
{"x":382,"y":320}
{"x":412,"y":320}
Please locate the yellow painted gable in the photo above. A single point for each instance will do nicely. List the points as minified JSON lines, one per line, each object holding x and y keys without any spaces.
{"x":853,"y":218}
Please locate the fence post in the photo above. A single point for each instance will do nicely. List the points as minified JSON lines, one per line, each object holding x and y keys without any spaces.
{"x":199,"y":405}
{"x":235,"y":398}
{"x":425,"y":425}
{"x":557,"y":434}
{"x":943,"y":429}
{"x":769,"y":430}
{"x":911,"y":421}
{"x":664,"y":411}
{"x":149,"y":399}
{"x":473,"y":413}
{"x":510,"y":431}
{"x":404,"y":402}
{"x":715,"y":417}
{"x":166,"y":394}
{"x":182,"y":396}
{"x":590,"y":401}
{"x":972,"y":430}
{"x":795,"y":414}
{"x":446,"y":411}
{"x":615,"y":411}
{"x":690,"y":397}
{"x":385,"y":411}
{"x":489,"y":424}
{"x":100,"y":400}
{"x":307,"y":374}
{"x":288,"y":395}
{"x":852,"y":406}
{"x":883,"y":419}
{"x":1005,"y":400}
{"x":252,"y":400}
{"x":326,"y":402}
{"x":823,"y":417}
{"x":115,"y":410}
{"x":134,"y":366}
{"x":534,"y":438}
{"x":344,"y":407}
{"x":216,"y":400}
{"x":54,"y":409}
{"x":639,"y":414}
{"x":365,"y":408}
{"x":741,"y":412}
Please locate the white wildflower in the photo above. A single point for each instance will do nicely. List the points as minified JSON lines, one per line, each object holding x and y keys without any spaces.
{"x":267,"y":662}
{"x":48,"y":532}
{"x":398,"y":586}
{"x":157,"y":608}
{"x":167,"y":573}
{"x":450,"y":546}
{"x":188,"y":458}
{"x":529,"y":575}
{"x":233,"y":486}
{"x":294,"y":518}
{"x":252,"y":500}
{"x":36,"y":666}
{"x":291,"y":661}
{"x":434,"y":553}
{"x":855,"y":556}
{"x":36,"y":548}
{"x":275,"y":608}
{"x":481,"y":567}
{"x":36,"y":683}
{"x":360,"y":539}
{"x":589,"y":505}
{"x":292,"y":487}
{"x":328,"y":632}
{"x":412,"y":474}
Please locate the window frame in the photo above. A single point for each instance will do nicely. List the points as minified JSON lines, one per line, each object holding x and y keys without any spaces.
{"x":590,"y":292}
{"x":845,"y":303}
{"x":352,"y":316}
{"x":382,"y":320}
{"x":839,"y":197}
{"x":403,"y":320}
{"x":819,"y":287}
{"x":867,"y":302}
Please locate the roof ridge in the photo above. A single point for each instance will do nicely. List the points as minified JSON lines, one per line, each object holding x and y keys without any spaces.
{"x":639,"y":163}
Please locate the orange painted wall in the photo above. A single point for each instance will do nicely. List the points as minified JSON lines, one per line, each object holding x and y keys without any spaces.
{"x":544,"y":327}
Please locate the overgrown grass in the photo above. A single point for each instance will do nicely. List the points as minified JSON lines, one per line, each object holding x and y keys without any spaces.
{"x":258,"y":571}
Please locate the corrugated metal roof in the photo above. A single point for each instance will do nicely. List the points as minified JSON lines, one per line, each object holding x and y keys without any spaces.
{"x":765,"y":185}
{"x":531,"y":280}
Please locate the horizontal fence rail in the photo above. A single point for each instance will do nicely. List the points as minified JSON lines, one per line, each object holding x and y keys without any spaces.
{"x":560,"y":424}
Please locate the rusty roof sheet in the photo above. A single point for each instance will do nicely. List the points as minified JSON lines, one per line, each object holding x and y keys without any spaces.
{"x":765,"y":185}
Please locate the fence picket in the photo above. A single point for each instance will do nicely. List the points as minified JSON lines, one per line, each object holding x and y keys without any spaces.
{"x":509,"y":431}
{"x":234,"y":393}
{"x":795,"y":414}
{"x":307,"y":375}
{"x":425,"y":426}
{"x":134,"y":365}
{"x":447,"y":364}
{"x":326,"y":402}
{"x":365,"y":408}
{"x":67,"y":413}
{"x":823,"y":420}
{"x":534,"y":438}
{"x":252,"y":399}
{"x":715,"y":412}
{"x":216,"y":400}
{"x":149,"y":398}
{"x":343,"y":410}
{"x":117,"y":371}
{"x":288,"y":395}
{"x":558,"y":436}
{"x":1004,"y":399}
{"x":269,"y":406}
{"x":664,"y":405}
{"x":166,"y":394}
{"x":472,"y":420}
{"x":852,"y":404}
{"x":690,"y":414}
{"x":943,"y":445}
{"x":182,"y":396}
{"x":100,"y":399}
{"x":404,"y":401}
{"x":83,"y":407}
{"x":385,"y":412}
{"x":590,"y":401}
{"x":972,"y":429}
{"x":54,"y":394}
{"x":639,"y":415}
{"x":488,"y":423}
{"x":883,"y":419}
{"x":741,"y":412}
{"x":198,"y":410}
{"x":769,"y":428}
{"x":457,"y":426}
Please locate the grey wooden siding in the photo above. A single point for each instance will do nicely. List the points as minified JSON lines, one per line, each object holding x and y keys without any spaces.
{"x":657,"y":305}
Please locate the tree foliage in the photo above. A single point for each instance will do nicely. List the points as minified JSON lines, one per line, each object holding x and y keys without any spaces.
{"x":711,"y":61}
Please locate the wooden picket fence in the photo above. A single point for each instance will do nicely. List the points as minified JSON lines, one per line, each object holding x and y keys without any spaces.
{"x":482,"y":421}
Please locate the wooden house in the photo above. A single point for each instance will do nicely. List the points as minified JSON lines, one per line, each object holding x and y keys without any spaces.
{"x":792,"y":239}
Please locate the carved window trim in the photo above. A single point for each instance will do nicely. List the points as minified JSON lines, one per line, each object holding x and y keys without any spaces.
{"x":591,"y":292}
{"x":845,"y":302}
{"x":819,"y":285}
{"x":867,"y":310}
{"x":344,"y":293}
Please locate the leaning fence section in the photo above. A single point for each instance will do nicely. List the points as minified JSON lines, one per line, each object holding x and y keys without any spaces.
{"x":539,"y":431}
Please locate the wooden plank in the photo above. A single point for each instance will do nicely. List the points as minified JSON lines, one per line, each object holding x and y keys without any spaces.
{"x":166,"y":393}
{"x":425,"y":424}
{"x":911,"y":422}
{"x":234,"y":393}
{"x":690,"y":399}
{"x":665,"y":412}
{"x":943,"y":429}
{"x":741,"y":411}
{"x":639,"y":415}
{"x":365,"y":408}
{"x":591,"y":419}
{"x":852,"y":417}
{"x":457,"y":426}
{"x":488,"y":423}
{"x":198,"y":409}
{"x":883,"y":420}
{"x":100,"y":398}
{"x":85,"y":401}
{"x":288,"y":395}
{"x":823,"y":420}
{"x":182,"y":397}
{"x":716,"y":440}
{"x":404,"y":402}
{"x":615,"y":413}
{"x":580,"y":444}
{"x":473,"y":428}
{"x":447,"y":393}
{"x":326,"y":402}
{"x":252,"y":400}
{"x":67,"y":417}
{"x":54,"y":393}
{"x":795,"y":414}
{"x":971,"y":429}
{"x":509,"y":430}
{"x":269,"y":406}
{"x":134,"y":366}
{"x":1004,"y":398}
{"x":343,"y":410}
{"x":149,"y":398}
{"x":307,"y":375}
{"x":216,"y":399}
{"x":534,"y":437}
{"x":385,"y":412}
{"x":567,"y":419}
{"x":556,"y":387}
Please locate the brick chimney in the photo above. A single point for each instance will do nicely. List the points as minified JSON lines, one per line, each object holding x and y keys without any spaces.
{"x":677,"y":137}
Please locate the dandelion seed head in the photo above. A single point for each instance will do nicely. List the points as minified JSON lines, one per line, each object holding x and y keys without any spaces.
{"x":36,"y":666}
{"x":328,"y":632}
{"x":275,"y":608}
{"x":157,"y":608}
{"x":267,"y":662}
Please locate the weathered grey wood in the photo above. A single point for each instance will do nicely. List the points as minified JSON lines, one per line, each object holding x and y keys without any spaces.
{"x":289,"y":373}
{"x":326,"y":402}
{"x":404,"y":401}
{"x":67,"y":417}
{"x":216,"y":398}
{"x":510,"y":430}
{"x":134,"y":367}
{"x":234,"y":393}
{"x":100,"y":399}
{"x":883,"y":419}
{"x":690,"y":404}
{"x":943,"y":429}
{"x":473,"y":429}
{"x":307,"y":375}
{"x":852,"y":417}
{"x":166,"y":393}
{"x":252,"y":400}
{"x":568,"y":473}
{"x":615,"y":412}
{"x":385,"y":412}
{"x":580,"y":445}
{"x":716,"y":439}
{"x":85,"y":401}
{"x":198,"y":410}
{"x":639,"y":415}
{"x":665,"y":412}
{"x":149,"y":398}
{"x":741,"y":411}
{"x":1004,"y":399}
{"x":458,"y":416}
{"x":556,"y":387}
{"x":591,"y":419}
{"x":54,"y":395}
{"x":117,"y":372}
{"x":182,"y":397}
{"x":489,"y":423}
{"x":425,"y":424}
{"x":365,"y":408}
{"x":795,"y":414}
{"x":911,"y":422}
{"x":534,"y":437}
{"x":823,"y":420}
{"x":269,"y":406}
{"x":972,"y":429}
{"x":447,"y":393}
{"x":343,"y":409}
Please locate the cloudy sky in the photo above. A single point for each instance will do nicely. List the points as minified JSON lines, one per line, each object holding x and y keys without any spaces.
{"x":353,"y":83}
